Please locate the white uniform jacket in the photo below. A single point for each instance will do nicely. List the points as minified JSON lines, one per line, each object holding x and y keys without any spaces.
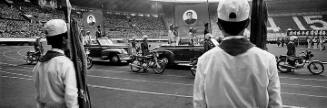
{"x":248,"y":80}
{"x":55,"y":83}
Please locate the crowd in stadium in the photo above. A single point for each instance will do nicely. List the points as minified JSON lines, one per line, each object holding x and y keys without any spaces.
{"x":25,"y":20}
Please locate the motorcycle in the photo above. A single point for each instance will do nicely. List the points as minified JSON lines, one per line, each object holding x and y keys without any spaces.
{"x":290,"y":63}
{"x":32,"y":57}
{"x":140,"y":62}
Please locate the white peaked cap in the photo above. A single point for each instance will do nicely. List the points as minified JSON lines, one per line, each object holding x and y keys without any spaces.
{"x":233,"y":10}
{"x":145,"y":36}
{"x":55,"y":27}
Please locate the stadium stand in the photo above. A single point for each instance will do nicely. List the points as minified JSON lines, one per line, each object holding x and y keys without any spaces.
{"x":24,"y":20}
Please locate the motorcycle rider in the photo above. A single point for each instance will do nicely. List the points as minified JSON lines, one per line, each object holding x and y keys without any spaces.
{"x":145,"y":46}
{"x":291,"y":52}
{"x":145,"y":50}
{"x":38,"y":46}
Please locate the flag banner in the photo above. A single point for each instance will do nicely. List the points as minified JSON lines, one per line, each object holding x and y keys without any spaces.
{"x":79,"y":59}
{"x":307,"y":33}
{"x":77,"y":55}
{"x":259,"y":17}
{"x":191,"y":16}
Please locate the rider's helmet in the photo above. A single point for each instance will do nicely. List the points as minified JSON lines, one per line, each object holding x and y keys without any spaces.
{"x":145,"y":37}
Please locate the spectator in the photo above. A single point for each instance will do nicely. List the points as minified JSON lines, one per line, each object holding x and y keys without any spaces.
{"x":236,"y":74}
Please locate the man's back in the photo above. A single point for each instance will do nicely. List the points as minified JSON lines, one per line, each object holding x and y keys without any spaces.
{"x":56,"y":83}
{"x":237,"y":81}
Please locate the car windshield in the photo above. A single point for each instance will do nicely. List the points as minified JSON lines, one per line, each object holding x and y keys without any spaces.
{"x":105,"y":41}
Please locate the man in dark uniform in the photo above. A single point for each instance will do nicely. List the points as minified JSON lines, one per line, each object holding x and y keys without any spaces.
{"x":291,"y":51}
{"x":190,"y":19}
{"x":98,"y":33}
{"x":145,"y":46}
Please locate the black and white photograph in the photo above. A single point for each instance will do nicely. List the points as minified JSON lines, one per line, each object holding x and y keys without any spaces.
{"x":163,"y":54}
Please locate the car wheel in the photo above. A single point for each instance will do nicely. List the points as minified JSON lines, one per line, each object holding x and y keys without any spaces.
{"x":115,"y":59}
{"x":165,"y":60}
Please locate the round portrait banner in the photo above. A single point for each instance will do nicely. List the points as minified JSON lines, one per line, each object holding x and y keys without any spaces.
{"x":90,"y":20}
{"x":190,"y":17}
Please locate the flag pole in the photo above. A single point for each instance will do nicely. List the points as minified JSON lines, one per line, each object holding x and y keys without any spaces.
{"x":259,"y":17}
{"x":78,"y":57}
{"x":209,"y":16}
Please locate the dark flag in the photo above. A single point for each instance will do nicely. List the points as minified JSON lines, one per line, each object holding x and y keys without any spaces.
{"x":77,"y":55}
{"x":259,"y":19}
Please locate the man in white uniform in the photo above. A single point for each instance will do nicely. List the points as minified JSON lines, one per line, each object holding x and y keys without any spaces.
{"x":236,"y":74}
{"x":54,"y":75}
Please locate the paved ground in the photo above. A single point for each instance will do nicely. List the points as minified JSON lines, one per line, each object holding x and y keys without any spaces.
{"x":116,"y":87}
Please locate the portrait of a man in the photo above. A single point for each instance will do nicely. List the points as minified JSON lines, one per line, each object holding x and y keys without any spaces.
{"x":190,"y":17}
{"x":90,"y":20}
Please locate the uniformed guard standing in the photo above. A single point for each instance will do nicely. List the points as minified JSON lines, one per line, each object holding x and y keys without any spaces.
{"x":237,"y":74}
{"x":54,"y":75}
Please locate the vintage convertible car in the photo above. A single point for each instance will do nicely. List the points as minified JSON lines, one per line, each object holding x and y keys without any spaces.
{"x":181,"y":54}
{"x":104,"y":49}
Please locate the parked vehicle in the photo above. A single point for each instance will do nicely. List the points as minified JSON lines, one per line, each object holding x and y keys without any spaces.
{"x":32,"y":57}
{"x":288,"y":63}
{"x":104,"y":49}
{"x":145,"y":62}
